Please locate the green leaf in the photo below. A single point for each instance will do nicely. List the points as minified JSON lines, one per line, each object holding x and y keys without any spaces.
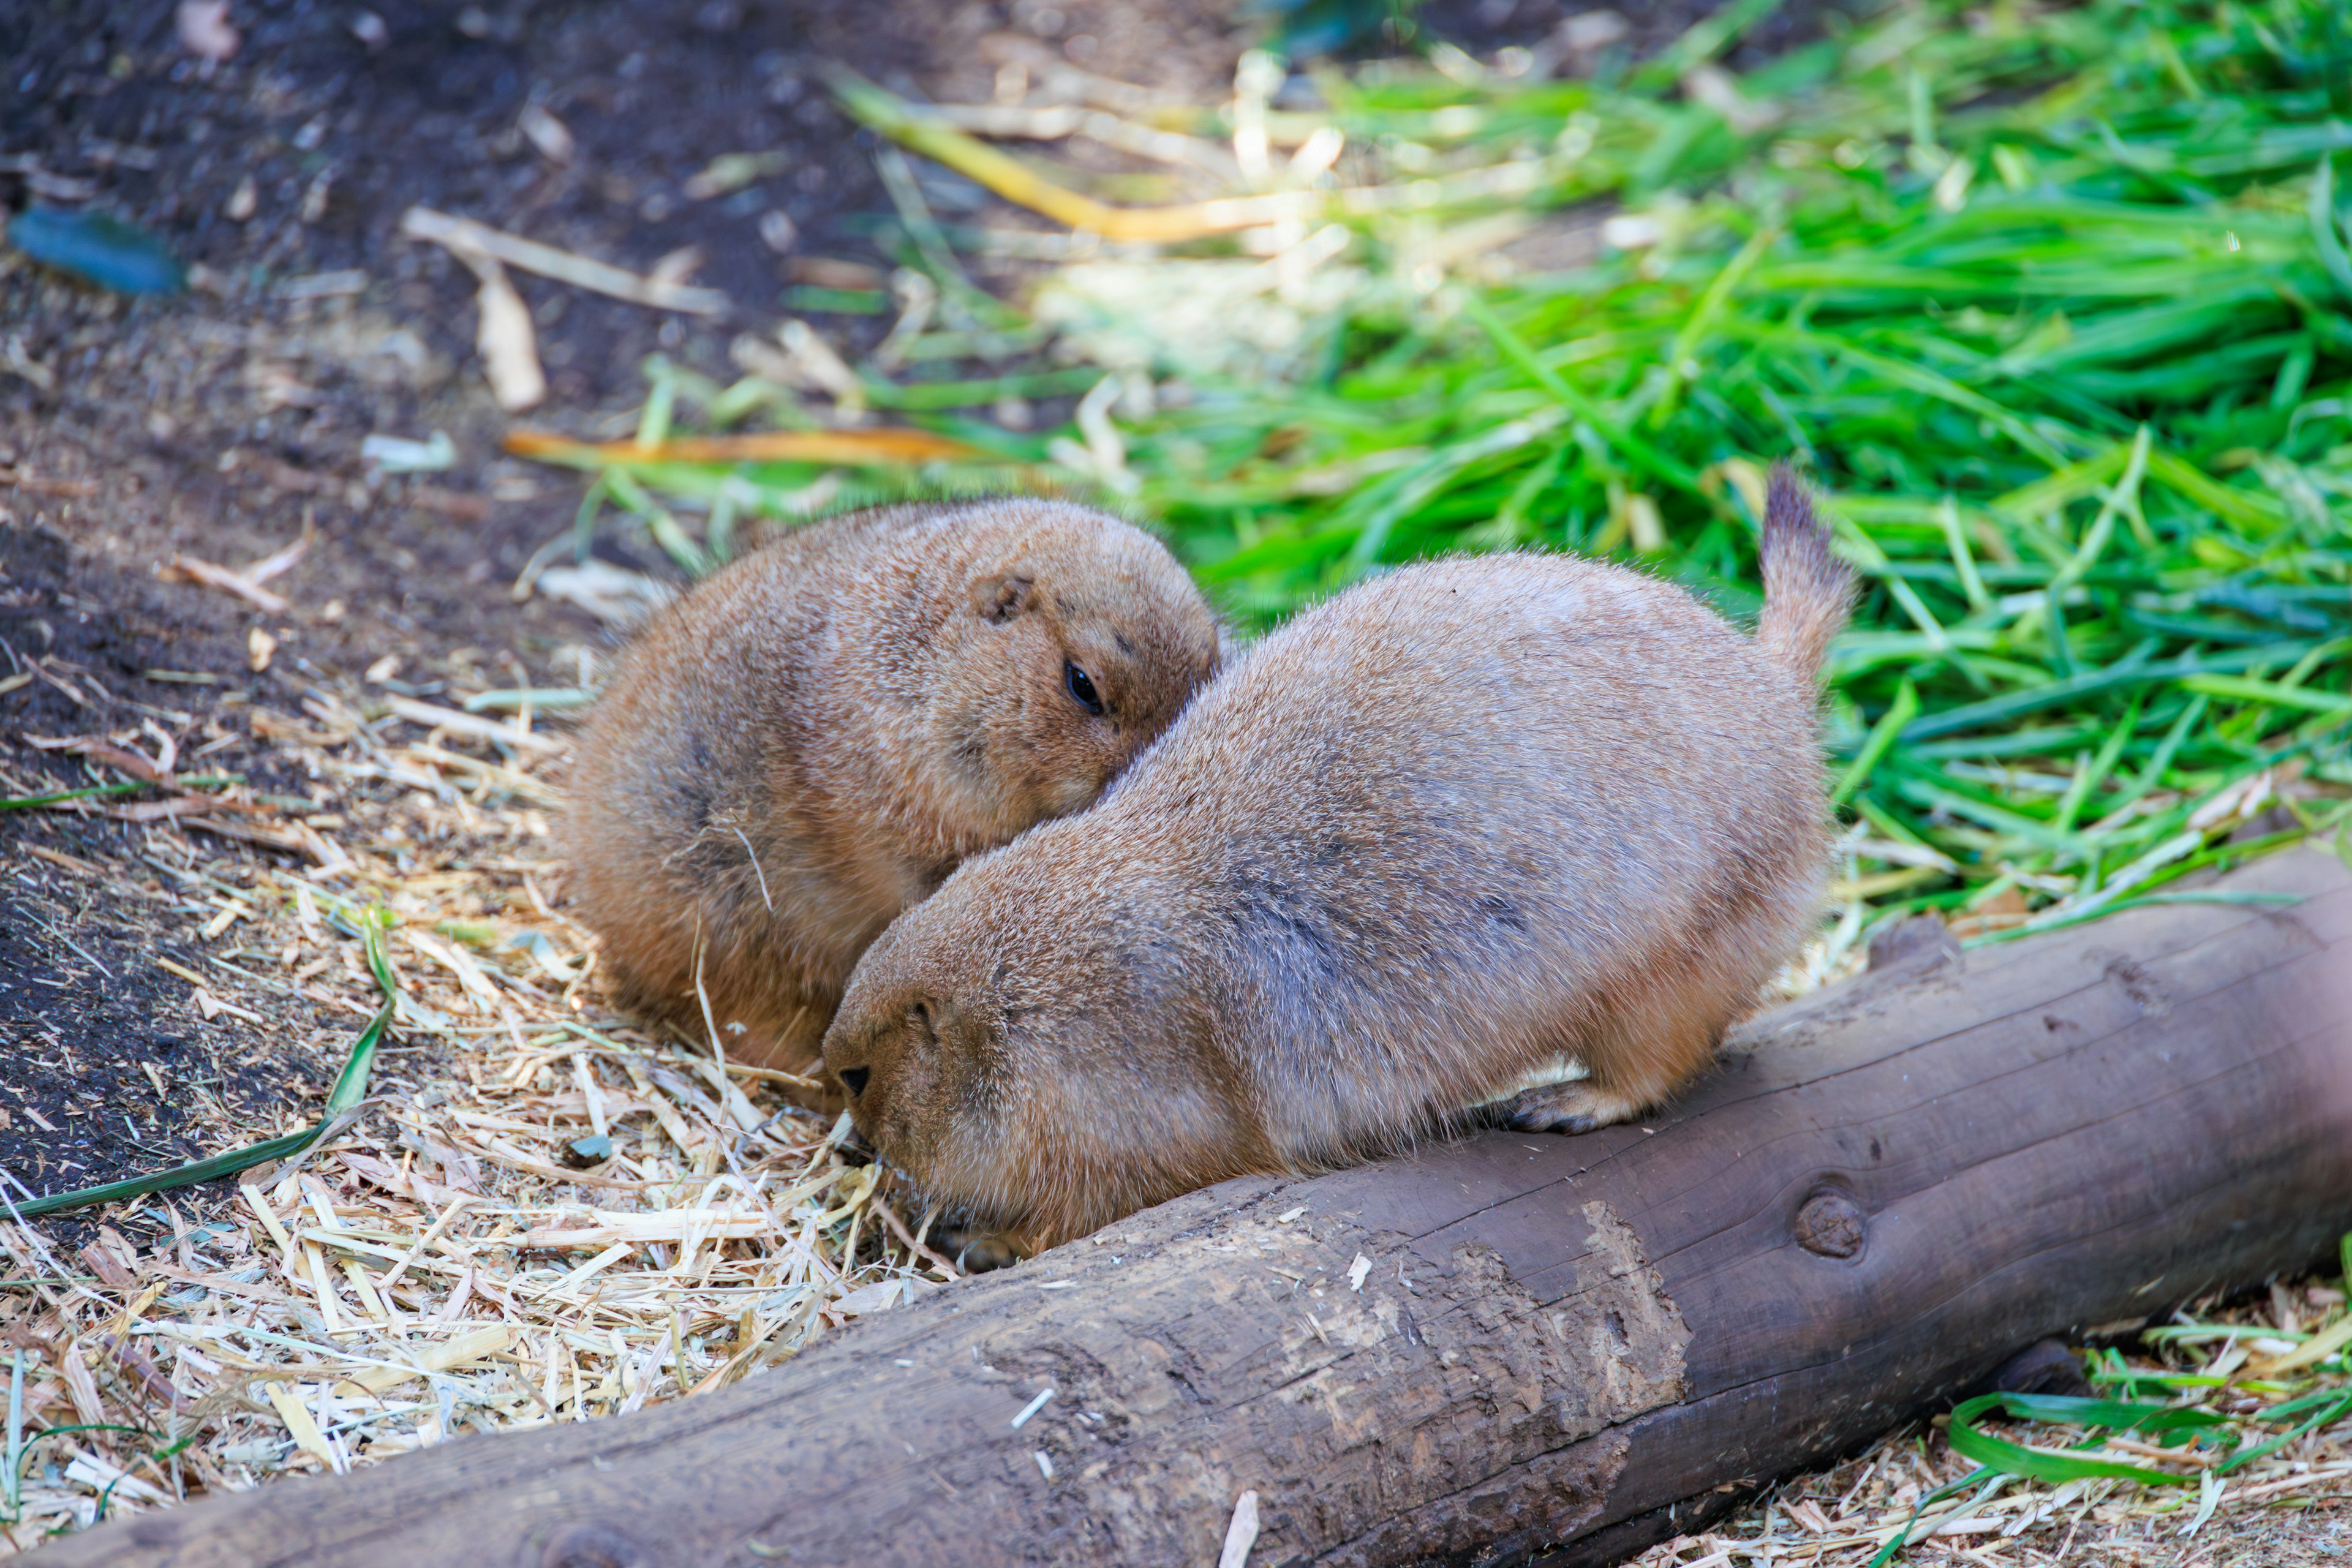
{"x":2243,"y":689}
{"x":2118,"y":1414}
{"x":2015,"y":1460}
{"x":101,"y":792}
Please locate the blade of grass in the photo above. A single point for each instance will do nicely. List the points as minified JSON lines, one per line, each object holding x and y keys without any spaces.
{"x":1901,"y":1538}
{"x":1882,"y":738}
{"x":2244,"y":689}
{"x":2090,"y":777}
{"x":2015,"y":1460}
{"x":105,"y":792}
{"x":2325,"y":235}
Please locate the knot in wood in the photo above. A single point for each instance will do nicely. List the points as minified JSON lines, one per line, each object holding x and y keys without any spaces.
{"x":593,"y":1544}
{"x":1829,"y":1225}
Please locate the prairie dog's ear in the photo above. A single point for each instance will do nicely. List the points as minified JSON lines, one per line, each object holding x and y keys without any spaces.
{"x":1002,"y":597}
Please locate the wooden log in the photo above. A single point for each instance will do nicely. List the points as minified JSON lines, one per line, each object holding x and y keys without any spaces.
{"x":1505,"y":1343}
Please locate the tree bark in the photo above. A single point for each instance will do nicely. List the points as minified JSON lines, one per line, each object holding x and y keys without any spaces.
{"x":1506,"y":1343}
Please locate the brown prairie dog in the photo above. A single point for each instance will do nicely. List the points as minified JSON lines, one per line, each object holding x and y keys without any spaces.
{"x":813,"y":737}
{"x":1418,"y":846}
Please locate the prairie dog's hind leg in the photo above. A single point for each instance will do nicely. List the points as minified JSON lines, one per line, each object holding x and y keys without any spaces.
{"x":1652,"y":1037}
{"x":1577,"y":1107}
{"x":1558,"y":1098}
{"x":1632,"y":1074}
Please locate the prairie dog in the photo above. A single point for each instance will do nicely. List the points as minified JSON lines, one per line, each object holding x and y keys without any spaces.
{"x":1410,"y":852}
{"x":813,"y":738}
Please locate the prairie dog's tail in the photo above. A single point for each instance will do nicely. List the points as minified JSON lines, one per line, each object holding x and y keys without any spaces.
{"x":1808,"y":591}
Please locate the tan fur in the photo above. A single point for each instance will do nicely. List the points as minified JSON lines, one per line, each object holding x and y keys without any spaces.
{"x":1431,"y":838}
{"x":816,"y":736}
{"x":1808,"y":591}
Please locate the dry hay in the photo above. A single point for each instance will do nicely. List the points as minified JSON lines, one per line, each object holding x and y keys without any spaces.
{"x":436,"y":1266}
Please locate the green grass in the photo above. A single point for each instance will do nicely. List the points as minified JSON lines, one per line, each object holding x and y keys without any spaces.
{"x":839,"y":301}
{"x":2052,"y":305}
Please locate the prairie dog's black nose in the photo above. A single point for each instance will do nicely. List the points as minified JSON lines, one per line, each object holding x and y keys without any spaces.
{"x":854,"y":1079}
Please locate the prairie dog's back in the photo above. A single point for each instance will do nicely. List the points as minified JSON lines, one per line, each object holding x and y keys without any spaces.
{"x":1500,"y":817}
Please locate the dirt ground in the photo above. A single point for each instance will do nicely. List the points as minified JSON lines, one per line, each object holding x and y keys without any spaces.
{"x":227,"y":425}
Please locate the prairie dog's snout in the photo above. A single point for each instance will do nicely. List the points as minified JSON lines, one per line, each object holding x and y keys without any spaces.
{"x":813,"y":738}
{"x":1433,"y":836}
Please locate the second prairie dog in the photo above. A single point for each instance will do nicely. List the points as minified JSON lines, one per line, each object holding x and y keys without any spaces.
{"x":813,"y":738}
{"x":1409,"y":853}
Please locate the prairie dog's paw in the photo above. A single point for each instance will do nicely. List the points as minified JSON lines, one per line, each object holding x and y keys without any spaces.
{"x":1563,"y":1108}
{"x":973,"y":1250}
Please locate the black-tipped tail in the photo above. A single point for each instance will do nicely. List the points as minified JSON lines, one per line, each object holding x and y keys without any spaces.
{"x":1808,"y":591}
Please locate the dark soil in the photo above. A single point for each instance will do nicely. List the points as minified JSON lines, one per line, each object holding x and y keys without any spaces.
{"x":107,"y":1068}
{"x":216,"y":422}
{"x":86,"y":1011}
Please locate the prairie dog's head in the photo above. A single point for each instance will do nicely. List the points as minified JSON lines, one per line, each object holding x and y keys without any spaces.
{"x":1021,"y":1046}
{"x":1075,"y":641}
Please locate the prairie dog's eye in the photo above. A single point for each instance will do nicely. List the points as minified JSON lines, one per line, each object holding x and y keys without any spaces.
{"x":854,"y":1079}
{"x":1081,"y":688}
